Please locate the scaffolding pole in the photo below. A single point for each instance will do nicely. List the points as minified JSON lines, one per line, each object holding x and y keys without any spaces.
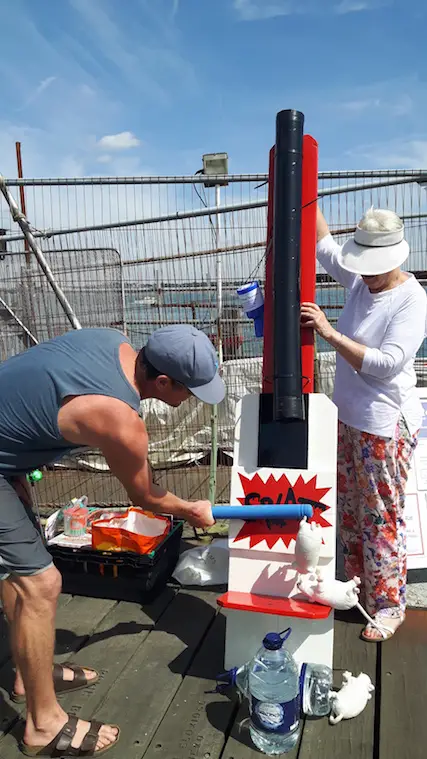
{"x":414,"y":174}
{"x":19,"y":322}
{"x":21,"y":220}
{"x":214,"y":415}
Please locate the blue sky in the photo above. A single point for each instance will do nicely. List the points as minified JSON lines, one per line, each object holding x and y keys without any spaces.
{"x":96,"y":87}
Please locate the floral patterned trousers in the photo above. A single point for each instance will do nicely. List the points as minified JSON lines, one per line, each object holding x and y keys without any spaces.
{"x":372,"y":475}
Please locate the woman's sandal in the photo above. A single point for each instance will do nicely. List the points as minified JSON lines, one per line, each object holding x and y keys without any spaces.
{"x":385,"y":631}
{"x":79,"y":681}
{"x":61,"y":744}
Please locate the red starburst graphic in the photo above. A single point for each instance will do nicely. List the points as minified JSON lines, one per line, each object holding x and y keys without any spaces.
{"x":280,"y":491}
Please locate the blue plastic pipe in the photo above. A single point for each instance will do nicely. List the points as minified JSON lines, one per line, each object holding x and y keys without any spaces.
{"x":264,"y":511}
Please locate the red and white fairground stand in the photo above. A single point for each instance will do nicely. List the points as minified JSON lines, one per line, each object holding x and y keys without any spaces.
{"x":262,"y":594}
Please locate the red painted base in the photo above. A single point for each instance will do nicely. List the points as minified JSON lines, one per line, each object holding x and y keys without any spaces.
{"x":282,"y":607}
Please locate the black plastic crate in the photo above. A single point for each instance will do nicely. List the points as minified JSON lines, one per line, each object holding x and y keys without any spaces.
{"x":121,"y":576}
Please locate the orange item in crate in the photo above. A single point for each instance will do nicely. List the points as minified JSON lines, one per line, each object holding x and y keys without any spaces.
{"x":136,"y":530}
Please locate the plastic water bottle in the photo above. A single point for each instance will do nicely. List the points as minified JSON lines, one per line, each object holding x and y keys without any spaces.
{"x":315,"y":689}
{"x":274,"y":699}
{"x":315,"y":686}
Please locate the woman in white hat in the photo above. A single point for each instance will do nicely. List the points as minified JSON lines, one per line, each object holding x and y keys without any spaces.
{"x":379,"y":332}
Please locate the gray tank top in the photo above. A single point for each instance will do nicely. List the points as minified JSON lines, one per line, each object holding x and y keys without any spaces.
{"x":34,"y":384}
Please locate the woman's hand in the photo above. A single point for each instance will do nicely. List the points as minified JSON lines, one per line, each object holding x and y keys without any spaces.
{"x":312,"y":316}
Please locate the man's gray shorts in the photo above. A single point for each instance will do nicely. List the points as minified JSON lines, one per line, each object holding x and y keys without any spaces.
{"x":22,"y":551}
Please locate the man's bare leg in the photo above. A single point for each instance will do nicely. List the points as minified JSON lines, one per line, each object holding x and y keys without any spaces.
{"x":9,"y":595}
{"x":33,"y":636}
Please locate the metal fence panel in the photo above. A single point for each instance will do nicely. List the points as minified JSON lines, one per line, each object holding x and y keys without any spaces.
{"x":139,"y":276}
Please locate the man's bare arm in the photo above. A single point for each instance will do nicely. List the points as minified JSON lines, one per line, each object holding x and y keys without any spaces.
{"x":119,"y":432}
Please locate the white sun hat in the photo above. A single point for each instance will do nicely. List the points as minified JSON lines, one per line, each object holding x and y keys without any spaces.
{"x":372,"y":253}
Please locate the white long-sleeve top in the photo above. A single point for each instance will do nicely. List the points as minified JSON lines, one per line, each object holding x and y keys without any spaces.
{"x":392,"y":324}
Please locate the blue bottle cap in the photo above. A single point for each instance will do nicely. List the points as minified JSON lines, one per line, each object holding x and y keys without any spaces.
{"x":274,"y":641}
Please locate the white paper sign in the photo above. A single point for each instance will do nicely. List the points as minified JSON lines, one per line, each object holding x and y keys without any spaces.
{"x":416,"y":498}
{"x":413,"y":526}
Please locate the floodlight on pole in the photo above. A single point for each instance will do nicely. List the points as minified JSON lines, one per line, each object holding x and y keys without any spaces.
{"x":216,"y":164}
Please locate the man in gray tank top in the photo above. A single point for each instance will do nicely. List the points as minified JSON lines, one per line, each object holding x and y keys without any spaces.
{"x":80,"y":389}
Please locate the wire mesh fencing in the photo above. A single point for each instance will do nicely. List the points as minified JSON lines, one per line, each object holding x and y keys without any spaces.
{"x":404,"y":192}
{"x":138,"y":253}
{"x":137,"y":277}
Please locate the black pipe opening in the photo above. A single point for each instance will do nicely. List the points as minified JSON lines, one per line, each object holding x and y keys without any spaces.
{"x":287,"y":387}
{"x":283,"y":428}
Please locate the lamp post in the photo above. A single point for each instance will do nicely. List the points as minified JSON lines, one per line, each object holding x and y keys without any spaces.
{"x":216,"y":164}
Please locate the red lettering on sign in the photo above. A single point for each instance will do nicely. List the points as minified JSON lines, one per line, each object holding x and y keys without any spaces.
{"x":280,"y":491}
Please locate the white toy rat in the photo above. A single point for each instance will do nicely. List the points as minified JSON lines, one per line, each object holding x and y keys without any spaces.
{"x":352,"y":698}
{"x":307,"y":546}
{"x":330,"y":592}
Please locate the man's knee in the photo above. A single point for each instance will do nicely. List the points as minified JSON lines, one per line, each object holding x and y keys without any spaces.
{"x":42,"y":588}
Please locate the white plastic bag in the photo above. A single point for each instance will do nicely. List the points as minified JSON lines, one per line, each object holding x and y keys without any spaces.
{"x":204,"y":565}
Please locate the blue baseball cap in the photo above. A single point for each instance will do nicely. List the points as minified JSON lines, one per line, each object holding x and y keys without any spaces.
{"x":186,"y":355}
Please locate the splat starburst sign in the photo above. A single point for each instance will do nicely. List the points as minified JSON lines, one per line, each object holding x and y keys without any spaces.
{"x":272,"y":491}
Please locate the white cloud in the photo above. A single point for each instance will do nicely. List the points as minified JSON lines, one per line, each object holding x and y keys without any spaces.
{"x":86,"y":82}
{"x":120,"y":141}
{"x":175,"y":8}
{"x":352,"y":6}
{"x":403,"y":105}
{"x":152,"y":65}
{"x":358,"y":106}
{"x":396,"y":106}
{"x":104,"y":158}
{"x":44,"y":84}
{"x":254,"y":10}
{"x":70,"y":166}
{"x":395,"y":154}
{"x":357,"y":6}
{"x":87,"y":91}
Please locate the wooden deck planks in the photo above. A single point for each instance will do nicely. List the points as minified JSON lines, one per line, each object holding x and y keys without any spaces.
{"x":109,"y":649}
{"x":355,"y":737}
{"x":158,"y":662}
{"x":143,"y":692}
{"x":239,"y":744}
{"x":75,"y":623}
{"x":197,"y":719}
{"x":403,"y":722}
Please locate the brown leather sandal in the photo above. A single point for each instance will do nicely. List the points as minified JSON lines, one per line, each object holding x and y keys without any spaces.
{"x":61,"y":744}
{"x":64,"y":686}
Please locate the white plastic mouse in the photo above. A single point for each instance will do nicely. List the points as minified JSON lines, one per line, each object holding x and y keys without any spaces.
{"x":330,"y":592}
{"x":352,"y":698}
{"x":339,"y":595}
{"x":307,"y":546}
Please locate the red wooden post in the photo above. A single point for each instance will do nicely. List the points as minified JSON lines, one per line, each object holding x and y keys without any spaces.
{"x":308,"y":254}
